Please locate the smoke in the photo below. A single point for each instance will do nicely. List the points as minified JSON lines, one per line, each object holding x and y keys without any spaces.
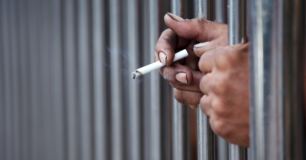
{"x":124,"y":56}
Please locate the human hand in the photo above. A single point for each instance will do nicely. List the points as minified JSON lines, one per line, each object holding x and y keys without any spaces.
{"x":184,"y":75}
{"x":225,"y":86}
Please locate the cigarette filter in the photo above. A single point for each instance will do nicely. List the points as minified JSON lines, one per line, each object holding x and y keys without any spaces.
{"x":153,"y":66}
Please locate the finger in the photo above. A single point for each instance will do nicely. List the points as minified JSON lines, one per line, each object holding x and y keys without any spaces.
{"x":177,"y":73}
{"x":166,"y":45}
{"x":205,"y":82}
{"x":199,"y":29}
{"x":187,"y":97}
{"x":193,"y":106}
{"x":193,"y":85}
{"x":205,"y":104}
{"x":220,"y":126}
{"x":200,"y":48}
{"x":207,"y":61}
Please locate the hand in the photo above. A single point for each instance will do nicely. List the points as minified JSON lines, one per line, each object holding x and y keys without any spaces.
{"x":225,"y":86}
{"x":184,"y":75}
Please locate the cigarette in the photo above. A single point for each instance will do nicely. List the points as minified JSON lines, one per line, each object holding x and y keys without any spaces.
{"x":153,"y":66}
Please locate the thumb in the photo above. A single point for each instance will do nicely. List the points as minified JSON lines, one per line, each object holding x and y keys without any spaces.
{"x":197,"y":29}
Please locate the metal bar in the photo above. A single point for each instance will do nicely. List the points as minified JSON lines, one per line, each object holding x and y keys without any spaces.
{"x":46,"y":77}
{"x":57,"y":84}
{"x":133,"y":139}
{"x":24,"y":80}
{"x":221,"y":16}
{"x":155,"y":108}
{"x":205,"y":10}
{"x":99,"y":80}
{"x":236,"y":21}
{"x":179,"y":111}
{"x":84,"y":56}
{"x":261,"y":56}
{"x":34,"y":79}
{"x":116,"y":96}
{"x":236,"y":35}
{"x":145,"y":59}
{"x":70,"y":76}
{"x":2,"y":91}
{"x":7,"y":80}
{"x":277,"y":117}
{"x":221,"y":11}
{"x":14,"y":80}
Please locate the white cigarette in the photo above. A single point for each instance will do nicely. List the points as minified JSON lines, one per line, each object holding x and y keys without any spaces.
{"x":153,"y":66}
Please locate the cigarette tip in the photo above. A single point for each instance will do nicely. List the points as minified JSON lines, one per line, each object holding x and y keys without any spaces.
{"x":135,"y":74}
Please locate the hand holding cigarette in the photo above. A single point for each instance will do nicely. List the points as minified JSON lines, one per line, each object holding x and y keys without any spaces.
{"x":156,"y":65}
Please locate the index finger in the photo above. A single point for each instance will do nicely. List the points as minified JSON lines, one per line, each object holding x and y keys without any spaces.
{"x":166,"y":45}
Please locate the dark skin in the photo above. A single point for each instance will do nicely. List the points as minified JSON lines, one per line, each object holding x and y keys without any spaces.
{"x":214,"y":75}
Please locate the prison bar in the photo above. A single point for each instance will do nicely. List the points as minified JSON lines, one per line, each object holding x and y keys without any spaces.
{"x":221,"y":16}
{"x":236,"y":35}
{"x":116,"y":84}
{"x":277,"y":56}
{"x":70,"y":76}
{"x":155,"y":110}
{"x":179,"y":111}
{"x":134,"y":103}
{"x":99,"y":82}
{"x":206,"y":137}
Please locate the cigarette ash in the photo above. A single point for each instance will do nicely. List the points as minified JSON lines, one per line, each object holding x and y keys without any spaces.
{"x":135,"y":74}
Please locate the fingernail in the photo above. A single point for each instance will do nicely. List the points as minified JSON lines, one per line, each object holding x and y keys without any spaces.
{"x":193,"y":106}
{"x":181,"y":77}
{"x":200,"y":45}
{"x":163,"y":58}
{"x":156,"y":55}
{"x":175,"y":17}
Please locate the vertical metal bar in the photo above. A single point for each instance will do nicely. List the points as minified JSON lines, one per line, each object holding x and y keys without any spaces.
{"x":71,"y":89}
{"x":179,"y":111}
{"x":99,"y":79}
{"x":293,"y":28}
{"x":277,"y":117}
{"x":205,"y":134}
{"x":14,"y":63}
{"x":7,"y":80}
{"x":134,"y":101}
{"x":116,"y":96}
{"x":146,"y":59}
{"x":261,"y":56}
{"x":57,"y":86}
{"x":236,"y":21}
{"x":155,"y":108}
{"x":84,"y":79}
{"x":34,"y":79}
{"x":2,"y":94}
{"x":46,"y":76}
{"x":24,"y":80}
{"x":221,"y":16}
{"x":221,"y":11}
{"x":236,"y":35}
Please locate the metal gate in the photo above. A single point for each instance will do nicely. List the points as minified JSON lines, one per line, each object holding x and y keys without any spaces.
{"x":66,"y":91}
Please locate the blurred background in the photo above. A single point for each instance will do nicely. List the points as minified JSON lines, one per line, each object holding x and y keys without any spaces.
{"x":65,"y":86}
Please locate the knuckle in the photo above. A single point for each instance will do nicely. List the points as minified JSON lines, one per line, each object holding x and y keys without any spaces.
{"x":179,"y":96}
{"x":219,"y":84}
{"x":223,"y":59}
{"x":205,"y":104}
{"x":220,"y":127}
{"x":219,"y":108}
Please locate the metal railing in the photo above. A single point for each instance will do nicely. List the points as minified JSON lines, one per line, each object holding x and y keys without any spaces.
{"x":66,"y":93}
